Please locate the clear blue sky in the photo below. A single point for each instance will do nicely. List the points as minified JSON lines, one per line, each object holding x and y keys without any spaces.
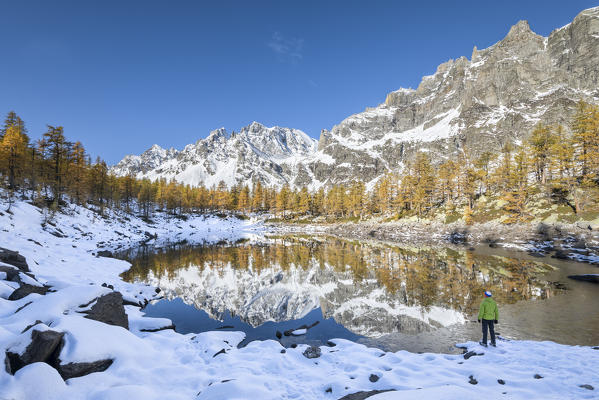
{"x":122,"y":75}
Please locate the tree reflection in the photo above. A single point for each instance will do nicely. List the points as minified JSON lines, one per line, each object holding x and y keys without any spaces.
{"x":421,"y":277}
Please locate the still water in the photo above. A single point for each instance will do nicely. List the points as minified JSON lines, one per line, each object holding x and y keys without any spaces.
{"x":388,"y":296}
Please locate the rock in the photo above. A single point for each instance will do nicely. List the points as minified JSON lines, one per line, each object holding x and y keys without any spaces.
{"x":109,"y":309}
{"x":593,"y":278}
{"x":31,"y":325}
{"x":373,"y":378}
{"x":13,"y":258}
{"x":587,"y":386}
{"x":472,"y":381}
{"x":104,"y":253}
{"x":560,"y":255}
{"x":312,"y":352}
{"x":44,"y":347}
{"x":501,"y":381}
{"x":75,"y":370}
{"x":472,"y":354}
{"x":364,"y":395}
{"x":278,"y":334}
{"x":283,"y":351}
{"x":171,"y":326}
{"x":25,"y":290}
{"x":12,"y":273}
{"x":537,"y":376}
{"x":226,"y":327}
{"x":23,"y":306}
{"x":331,"y":344}
{"x":221,"y":351}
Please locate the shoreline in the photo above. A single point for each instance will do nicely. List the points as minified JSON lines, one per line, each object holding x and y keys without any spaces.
{"x":563,"y":241}
{"x":149,"y":360}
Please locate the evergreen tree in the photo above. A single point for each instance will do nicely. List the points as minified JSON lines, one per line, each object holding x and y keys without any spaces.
{"x":58,"y":154}
{"x":13,"y":149}
{"x":14,"y":121}
{"x":541,"y":144}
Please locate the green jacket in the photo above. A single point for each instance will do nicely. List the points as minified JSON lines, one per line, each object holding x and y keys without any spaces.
{"x":488,"y":309}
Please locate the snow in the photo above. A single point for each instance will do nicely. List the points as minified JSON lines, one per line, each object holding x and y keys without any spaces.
{"x":168,"y":365}
{"x":443,"y":129}
{"x":231,"y":158}
{"x":299,"y":332}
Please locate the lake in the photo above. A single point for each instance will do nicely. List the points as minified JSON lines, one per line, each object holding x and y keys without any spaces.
{"x":380,"y":294}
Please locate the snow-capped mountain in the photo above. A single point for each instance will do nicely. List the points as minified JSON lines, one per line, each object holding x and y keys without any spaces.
{"x":256,"y":153}
{"x":497,"y":95}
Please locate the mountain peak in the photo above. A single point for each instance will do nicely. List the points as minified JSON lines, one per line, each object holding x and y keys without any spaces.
{"x":218,"y":133}
{"x":155,"y":149}
{"x":254,"y":127}
{"x":520,"y":31}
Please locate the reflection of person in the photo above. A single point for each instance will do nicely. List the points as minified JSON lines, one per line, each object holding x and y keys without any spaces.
{"x":489,"y":314}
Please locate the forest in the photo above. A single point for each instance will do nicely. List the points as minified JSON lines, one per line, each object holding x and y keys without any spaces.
{"x":559,"y":164}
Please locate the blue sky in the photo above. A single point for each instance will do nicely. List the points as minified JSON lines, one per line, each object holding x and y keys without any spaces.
{"x":123,"y":75}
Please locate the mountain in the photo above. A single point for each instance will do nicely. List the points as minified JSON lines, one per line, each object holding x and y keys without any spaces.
{"x":496,"y":96}
{"x":256,"y":153}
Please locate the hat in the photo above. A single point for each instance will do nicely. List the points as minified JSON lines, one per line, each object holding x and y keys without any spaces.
{"x":488,"y":294}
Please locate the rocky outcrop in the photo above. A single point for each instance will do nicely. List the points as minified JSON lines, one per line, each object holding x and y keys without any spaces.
{"x":14,"y":258}
{"x":496,"y":96}
{"x":110,"y":310}
{"x":75,"y":370}
{"x":25,"y":290}
{"x":44,"y":347}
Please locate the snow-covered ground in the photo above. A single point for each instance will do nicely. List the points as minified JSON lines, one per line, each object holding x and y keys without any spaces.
{"x":168,"y":365}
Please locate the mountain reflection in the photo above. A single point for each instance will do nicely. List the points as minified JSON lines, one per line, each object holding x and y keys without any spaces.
{"x":370,"y":288}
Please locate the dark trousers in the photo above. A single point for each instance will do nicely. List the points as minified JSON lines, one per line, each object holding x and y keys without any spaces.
{"x":488,"y":323}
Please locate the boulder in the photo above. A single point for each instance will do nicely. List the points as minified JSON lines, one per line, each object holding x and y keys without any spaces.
{"x":12,"y":273}
{"x":110,"y":310}
{"x":472,"y":354}
{"x":75,"y":370}
{"x":373,"y":378}
{"x":44,"y":347}
{"x":13,"y":258}
{"x":312,"y":352}
{"x":25,"y":290}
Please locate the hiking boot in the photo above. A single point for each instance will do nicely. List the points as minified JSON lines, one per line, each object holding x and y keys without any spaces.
{"x":482,"y":344}
{"x":493,"y":344}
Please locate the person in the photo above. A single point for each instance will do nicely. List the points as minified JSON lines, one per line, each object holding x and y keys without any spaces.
{"x":489,"y":315}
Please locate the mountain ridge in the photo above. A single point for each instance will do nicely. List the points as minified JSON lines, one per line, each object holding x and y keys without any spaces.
{"x":479,"y":104}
